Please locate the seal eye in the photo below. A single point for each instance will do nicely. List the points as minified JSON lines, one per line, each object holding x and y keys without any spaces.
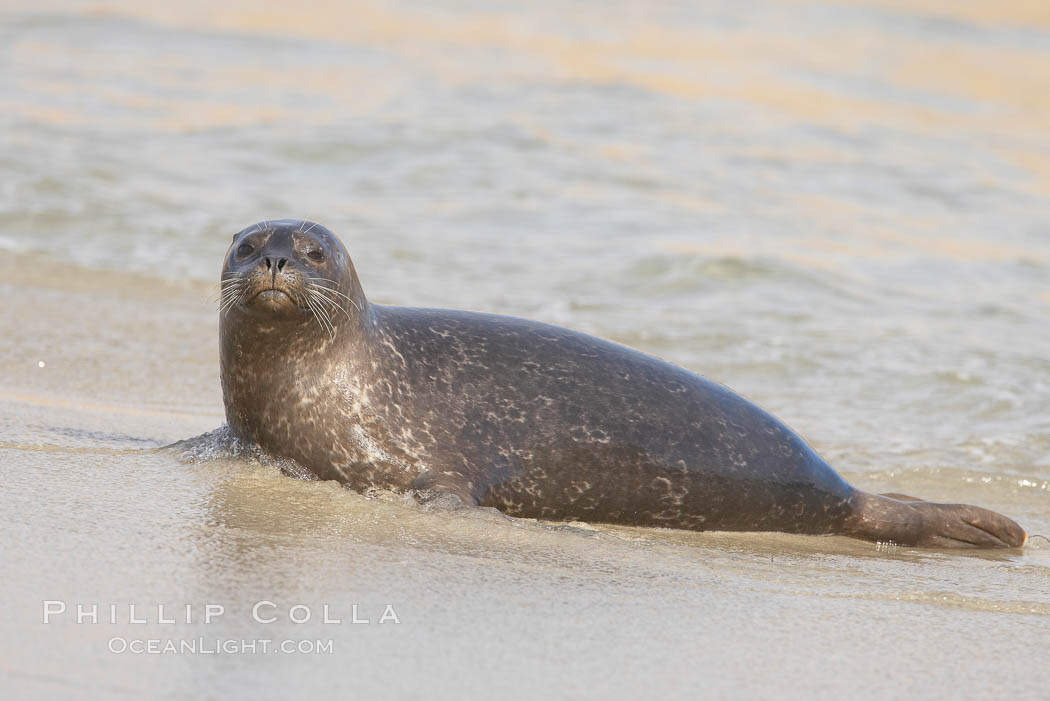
{"x":315,"y":254}
{"x":244,"y":249}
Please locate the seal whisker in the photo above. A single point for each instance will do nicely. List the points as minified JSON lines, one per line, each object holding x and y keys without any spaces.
{"x":324,"y":289}
{"x":322,"y":299}
{"x":333,"y":302}
{"x":314,"y":278}
{"x":313,"y":313}
{"x":319,"y":314}
{"x":227,"y":294}
{"x":234,"y":283}
{"x":230,"y":301}
{"x":329,"y":289}
{"x":324,"y":312}
{"x":240,"y":295}
{"x":220,"y":298}
{"x":315,"y":290}
{"x":231,"y":281}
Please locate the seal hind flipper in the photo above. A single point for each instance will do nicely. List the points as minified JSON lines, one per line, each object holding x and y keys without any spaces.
{"x":930,"y":524}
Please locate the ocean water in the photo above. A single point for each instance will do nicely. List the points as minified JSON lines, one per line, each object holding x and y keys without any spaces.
{"x":839,"y":208}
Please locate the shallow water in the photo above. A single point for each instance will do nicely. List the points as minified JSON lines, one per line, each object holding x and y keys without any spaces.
{"x":840,"y":209}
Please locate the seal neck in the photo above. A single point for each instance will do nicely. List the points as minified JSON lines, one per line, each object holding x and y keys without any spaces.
{"x":268,"y":365}
{"x":268,"y":342}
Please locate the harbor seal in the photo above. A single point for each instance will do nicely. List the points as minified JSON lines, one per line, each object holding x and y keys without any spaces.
{"x":532,"y":419}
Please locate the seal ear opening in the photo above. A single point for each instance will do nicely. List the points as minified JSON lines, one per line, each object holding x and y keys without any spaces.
{"x":930,"y":524}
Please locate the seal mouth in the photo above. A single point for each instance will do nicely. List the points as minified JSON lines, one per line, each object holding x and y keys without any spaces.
{"x":270,"y":295}
{"x":272,"y":299}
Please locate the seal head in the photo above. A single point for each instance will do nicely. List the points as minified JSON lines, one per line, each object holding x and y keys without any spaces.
{"x":288,"y":273}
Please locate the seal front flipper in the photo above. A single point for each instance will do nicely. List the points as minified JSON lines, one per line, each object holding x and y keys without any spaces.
{"x":446,"y":483}
{"x":929,"y":524}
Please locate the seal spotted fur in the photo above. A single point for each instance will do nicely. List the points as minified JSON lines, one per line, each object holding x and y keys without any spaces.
{"x":532,"y":419}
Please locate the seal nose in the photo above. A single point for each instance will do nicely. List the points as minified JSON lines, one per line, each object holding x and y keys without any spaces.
{"x":275,"y":264}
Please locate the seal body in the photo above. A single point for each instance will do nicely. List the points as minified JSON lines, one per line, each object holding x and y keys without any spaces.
{"x":532,"y":419}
